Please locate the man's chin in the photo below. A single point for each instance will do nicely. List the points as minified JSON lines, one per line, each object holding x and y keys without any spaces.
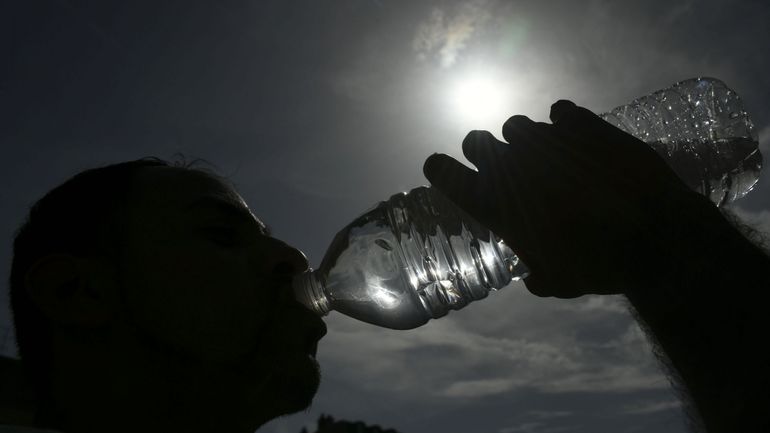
{"x":301,"y":383}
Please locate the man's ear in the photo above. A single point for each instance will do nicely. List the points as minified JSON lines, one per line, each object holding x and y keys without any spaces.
{"x":72,"y":291}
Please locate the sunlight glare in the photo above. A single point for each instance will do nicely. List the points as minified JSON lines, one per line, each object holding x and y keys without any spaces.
{"x":478,"y":100}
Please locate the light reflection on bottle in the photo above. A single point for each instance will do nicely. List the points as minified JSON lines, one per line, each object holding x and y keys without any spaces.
{"x":409,"y":259}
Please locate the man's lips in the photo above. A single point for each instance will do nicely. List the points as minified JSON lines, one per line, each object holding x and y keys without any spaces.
{"x":308,"y":325}
{"x":314,"y":328}
{"x":310,"y":328}
{"x":316,"y":332}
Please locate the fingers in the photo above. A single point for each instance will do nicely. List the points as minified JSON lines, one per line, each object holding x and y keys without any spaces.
{"x":482,"y":149}
{"x":565,"y":113}
{"x":539,"y":284}
{"x":605,"y":145}
{"x":561,"y":109}
{"x":518,"y":130}
{"x":456,"y":181}
{"x":536,"y":144}
{"x":573,"y":120}
{"x":528,"y":137}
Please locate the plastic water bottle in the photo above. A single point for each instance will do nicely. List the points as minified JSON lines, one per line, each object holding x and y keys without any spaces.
{"x":699,"y":126}
{"x":417,"y":256}
{"x":411,"y":258}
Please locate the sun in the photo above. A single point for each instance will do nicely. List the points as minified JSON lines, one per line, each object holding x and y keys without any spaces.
{"x":478,"y":100}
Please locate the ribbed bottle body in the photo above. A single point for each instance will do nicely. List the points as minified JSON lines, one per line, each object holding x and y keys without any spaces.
{"x":703,"y":131}
{"x":450,"y":258}
{"x":411,"y":258}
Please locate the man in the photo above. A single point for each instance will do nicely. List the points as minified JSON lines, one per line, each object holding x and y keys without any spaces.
{"x":148,"y":298}
{"x":168,"y":308}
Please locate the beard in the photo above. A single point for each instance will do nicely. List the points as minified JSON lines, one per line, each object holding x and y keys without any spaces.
{"x":277,"y":376}
{"x":292,"y":384}
{"x":273,"y":376}
{"x":266,"y":383}
{"x":270,"y":377}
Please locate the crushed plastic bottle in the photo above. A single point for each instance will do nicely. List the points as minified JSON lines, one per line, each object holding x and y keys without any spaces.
{"x":417,"y":256}
{"x":699,"y":126}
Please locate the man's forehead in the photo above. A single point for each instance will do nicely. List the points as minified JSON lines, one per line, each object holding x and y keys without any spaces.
{"x":182,"y":189}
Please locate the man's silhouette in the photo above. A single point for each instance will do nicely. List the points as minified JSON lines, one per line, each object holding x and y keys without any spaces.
{"x":147,"y":297}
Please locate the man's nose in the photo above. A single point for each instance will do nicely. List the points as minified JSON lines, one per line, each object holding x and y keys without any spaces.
{"x":286,"y":261}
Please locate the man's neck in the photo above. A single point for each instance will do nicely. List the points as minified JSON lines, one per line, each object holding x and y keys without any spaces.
{"x":96,"y":388}
{"x":129,"y":389}
{"x":17,"y":402}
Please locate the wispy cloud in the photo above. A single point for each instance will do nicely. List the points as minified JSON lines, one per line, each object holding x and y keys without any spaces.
{"x":549,"y":414}
{"x":652,"y":407}
{"x":479,"y":388}
{"x":533,"y":427}
{"x":540,"y":421}
{"x":759,"y":220}
{"x":448,"y":360}
{"x":444,"y":34}
{"x":608,"y":378}
{"x":607,"y":304}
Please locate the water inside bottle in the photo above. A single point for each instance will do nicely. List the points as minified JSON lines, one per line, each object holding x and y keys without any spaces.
{"x":702,"y":130}
{"x":413,"y":258}
{"x":723,"y":170}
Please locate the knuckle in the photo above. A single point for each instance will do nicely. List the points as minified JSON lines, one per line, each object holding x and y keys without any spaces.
{"x":517,"y":120}
{"x":562,"y":109}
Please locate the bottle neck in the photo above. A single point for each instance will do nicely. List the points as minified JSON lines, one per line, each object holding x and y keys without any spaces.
{"x":308,"y":290}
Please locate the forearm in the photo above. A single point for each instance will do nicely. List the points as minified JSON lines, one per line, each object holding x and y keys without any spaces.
{"x":706,"y":315}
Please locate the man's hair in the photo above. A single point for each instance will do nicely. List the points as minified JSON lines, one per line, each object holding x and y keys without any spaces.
{"x":81,"y":217}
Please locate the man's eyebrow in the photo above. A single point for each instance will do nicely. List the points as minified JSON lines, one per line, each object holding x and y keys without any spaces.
{"x":230,"y":208}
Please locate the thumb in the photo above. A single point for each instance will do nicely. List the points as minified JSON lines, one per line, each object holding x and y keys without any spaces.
{"x":454,"y":180}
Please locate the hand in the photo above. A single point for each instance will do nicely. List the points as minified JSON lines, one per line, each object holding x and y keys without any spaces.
{"x":586,"y":206}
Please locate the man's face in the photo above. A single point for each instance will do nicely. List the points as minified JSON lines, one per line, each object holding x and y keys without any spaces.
{"x":207,"y":291}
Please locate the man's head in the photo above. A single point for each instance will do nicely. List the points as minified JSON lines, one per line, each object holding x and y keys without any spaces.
{"x":161,"y":271}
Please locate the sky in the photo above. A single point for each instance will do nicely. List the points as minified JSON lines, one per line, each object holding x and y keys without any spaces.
{"x":319,"y":109}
